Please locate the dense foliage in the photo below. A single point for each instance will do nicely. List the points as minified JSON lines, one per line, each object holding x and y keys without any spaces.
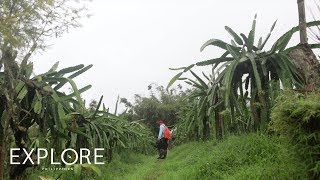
{"x":35,"y":110}
{"x":160,"y":104}
{"x":59,"y":120}
{"x":28,"y":23}
{"x":244,"y":82}
{"x":296,"y":117}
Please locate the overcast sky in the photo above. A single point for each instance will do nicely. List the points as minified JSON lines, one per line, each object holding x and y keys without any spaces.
{"x":133,"y":43}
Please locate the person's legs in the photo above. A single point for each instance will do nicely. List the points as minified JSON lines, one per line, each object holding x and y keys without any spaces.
{"x":161,"y":153}
{"x":164,"y":148}
{"x":159,"y":149}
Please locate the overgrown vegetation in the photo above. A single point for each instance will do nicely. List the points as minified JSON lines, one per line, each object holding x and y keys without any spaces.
{"x":61,"y":120}
{"x":244,"y":90}
{"x":244,"y":82}
{"x":252,"y":156}
{"x":37,"y":103}
{"x":160,"y":104}
{"x":296,"y":117}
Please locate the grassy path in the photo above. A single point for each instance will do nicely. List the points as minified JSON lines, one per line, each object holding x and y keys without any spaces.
{"x":155,"y":172}
{"x":250,"y":156}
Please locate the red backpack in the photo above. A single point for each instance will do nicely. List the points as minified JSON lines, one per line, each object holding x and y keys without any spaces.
{"x":167,"y":133}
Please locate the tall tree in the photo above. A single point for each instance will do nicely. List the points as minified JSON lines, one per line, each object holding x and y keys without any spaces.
{"x":25,"y":25}
{"x":303,"y":56}
{"x":161,"y":104}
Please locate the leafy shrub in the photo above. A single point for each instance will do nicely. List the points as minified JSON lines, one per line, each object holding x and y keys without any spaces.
{"x":296,"y":117}
{"x":251,"y":156}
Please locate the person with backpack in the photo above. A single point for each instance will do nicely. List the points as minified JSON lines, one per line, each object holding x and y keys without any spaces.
{"x":162,"y":141}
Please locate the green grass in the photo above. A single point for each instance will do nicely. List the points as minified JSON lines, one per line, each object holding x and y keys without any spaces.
{"x":251,"y":156}
{"x":129,"y":166}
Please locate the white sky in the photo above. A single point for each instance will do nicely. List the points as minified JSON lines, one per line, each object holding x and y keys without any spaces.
{"x":133,"y":43}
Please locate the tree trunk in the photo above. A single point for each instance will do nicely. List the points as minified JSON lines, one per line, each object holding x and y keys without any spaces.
{"x":206,"y":128}
{"x":308,"y":65}
{"x":218,"y":122}
{"x":254,"y":105}
{"x":303,"y":57}
{"x":302,"y":22}
{"x":10,"y":69}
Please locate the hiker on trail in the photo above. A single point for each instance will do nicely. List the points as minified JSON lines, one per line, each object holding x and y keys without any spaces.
{"x":162,"y":142}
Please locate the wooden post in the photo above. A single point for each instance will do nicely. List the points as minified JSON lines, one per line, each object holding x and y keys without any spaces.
{"x":302,"y":22}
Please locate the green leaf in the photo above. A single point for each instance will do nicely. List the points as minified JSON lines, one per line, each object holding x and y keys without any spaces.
{"x":250,"y":41}
{"x":259,"y":43}
{"x":54,"y":67}
{"x":97,"y":131}
{"x":245,"y":39}
{"x":22,"y":93}
{"x":80,"y":71}
{"x":188,"y":68}
{"x":62,"y":116}
{"x":214,"y":42}
{"x":283,"y":41}
{"x":268,"y":36}
{"x":54,"y":80}
{"x":228,"y":81}
{"x":98,"y":106}
{"x":234,"y":35}
{"x":214,"y":61}
{"x":78,"y":131}
{"x":234,"y":51}
{"x":37,"y":107}
{"x":180,"y":68}
{"x":176,"y":77}
{"x":28,"y":70}
{"x":77,"y":93}
{"x":67,"y":97}
{"x":19,"y":86}
{"x":264,"y":67}
{"x":233,"y":43}
{"x":73,"y":76}
{"x":291,"y":71}
{"x":255,"y":71}
{"x":251,"y":36}
{"x":204,"y":75}
{"x":273,"y":25}
{"x":203,"y":84}
{"x":70,"y":69}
